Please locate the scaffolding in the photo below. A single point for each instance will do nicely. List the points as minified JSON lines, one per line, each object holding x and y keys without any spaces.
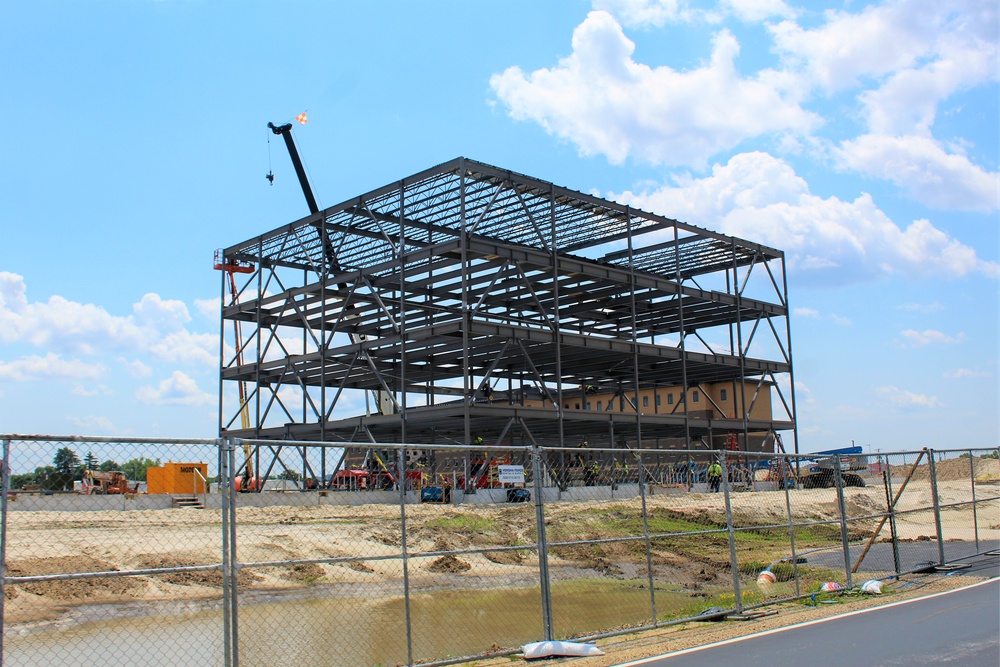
{"x":476,"y":302}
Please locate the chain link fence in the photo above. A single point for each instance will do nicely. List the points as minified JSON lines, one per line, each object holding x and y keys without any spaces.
{"x":256,"y":553}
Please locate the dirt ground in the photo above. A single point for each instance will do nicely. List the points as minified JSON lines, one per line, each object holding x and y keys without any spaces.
{"x":360,"y":542}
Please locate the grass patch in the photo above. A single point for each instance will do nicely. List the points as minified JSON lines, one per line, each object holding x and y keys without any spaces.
{"x":464,"y":523}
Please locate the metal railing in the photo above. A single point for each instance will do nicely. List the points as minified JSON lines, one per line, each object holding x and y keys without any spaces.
{"x":406,"y":554}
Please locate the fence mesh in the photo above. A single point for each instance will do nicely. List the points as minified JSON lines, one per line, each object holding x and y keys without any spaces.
{"x":213,"y":552}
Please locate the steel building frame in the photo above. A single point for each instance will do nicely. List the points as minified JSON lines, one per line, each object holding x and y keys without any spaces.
{"x":460,"y":291}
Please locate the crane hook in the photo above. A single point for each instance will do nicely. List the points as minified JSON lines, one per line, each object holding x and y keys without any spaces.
{"x":270,"y":177}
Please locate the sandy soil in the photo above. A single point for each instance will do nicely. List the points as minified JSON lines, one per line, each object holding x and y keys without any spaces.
{"x":362,"y":537}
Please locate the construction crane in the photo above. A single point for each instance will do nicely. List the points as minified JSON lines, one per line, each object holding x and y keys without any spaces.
{"x":383,"y":400}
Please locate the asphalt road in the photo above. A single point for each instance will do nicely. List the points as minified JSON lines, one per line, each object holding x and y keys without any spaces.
{"x":960,"y":628}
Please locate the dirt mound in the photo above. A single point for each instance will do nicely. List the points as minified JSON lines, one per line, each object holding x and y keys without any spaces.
{"x":74,"y":589}
{"x":449,"y":563}
{"x":210,"y":578}
{"x":951,"y":470}
{"x":505,"y":557}
{"x":304,"y":572}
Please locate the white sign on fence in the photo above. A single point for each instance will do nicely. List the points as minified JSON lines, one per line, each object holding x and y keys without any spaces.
{"x":510,"y":474}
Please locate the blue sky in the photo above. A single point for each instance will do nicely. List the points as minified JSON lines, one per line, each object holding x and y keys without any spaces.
{"x":862,"y":139}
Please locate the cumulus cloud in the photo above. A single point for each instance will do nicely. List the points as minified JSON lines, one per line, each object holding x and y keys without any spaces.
{"x":165,"y":315}
{"x":603,"y":101}
{"x":923,"y":169}
{"x":899,"y":60}
{"x":156,"y":327}
{"x":758,"y":196}
{"x":907,"y":401}
{"x":61,"y":324}
{"x":930,"y":337}
{"x":49,"y":367}
{"x":906,"y":58}
{"x":178,"y":389}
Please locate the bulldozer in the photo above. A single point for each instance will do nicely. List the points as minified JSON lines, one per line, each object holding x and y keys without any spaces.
{"x":105,"y":483}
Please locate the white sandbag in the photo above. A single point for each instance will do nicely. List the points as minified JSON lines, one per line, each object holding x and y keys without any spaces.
{"x":872,"y":586}
{"x":554,"y":648}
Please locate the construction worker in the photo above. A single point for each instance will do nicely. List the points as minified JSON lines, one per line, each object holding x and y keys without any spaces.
{"x":714,"y":476}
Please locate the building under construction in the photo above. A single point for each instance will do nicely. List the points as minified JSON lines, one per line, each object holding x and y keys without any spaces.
{"x":468,"y":301}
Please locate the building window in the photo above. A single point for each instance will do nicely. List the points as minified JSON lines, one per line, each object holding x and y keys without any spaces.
{"x":645,"y":401}
{"x":586,"y":406}
{"x":694,"y":396}
{"x":670,"y":399}
{"x":657,"y":400}
{"x":599,"y":403}
{"x":577,"y":406}
{"x":722,"y":395}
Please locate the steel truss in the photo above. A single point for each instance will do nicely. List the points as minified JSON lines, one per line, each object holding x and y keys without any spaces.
{"x":459,"y":292}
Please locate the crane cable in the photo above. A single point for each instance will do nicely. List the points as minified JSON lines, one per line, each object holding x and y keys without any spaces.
{"x":270,"y":172}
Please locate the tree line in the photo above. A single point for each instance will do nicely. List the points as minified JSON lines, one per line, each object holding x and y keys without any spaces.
{"x":67,"y":467}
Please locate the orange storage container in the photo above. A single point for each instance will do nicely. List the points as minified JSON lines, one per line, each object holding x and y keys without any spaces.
{"x":177,"y":478}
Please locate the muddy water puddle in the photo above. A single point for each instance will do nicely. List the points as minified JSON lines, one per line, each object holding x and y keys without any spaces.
{"x":348,"y":632}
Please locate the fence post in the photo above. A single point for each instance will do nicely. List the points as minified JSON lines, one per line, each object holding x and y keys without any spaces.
{"x":791,"y":523}
{"x":937,"y":507}
{"x":891,"y":508}
{"x":5,"y":487}
{"x":842,"y":508}
{"x":645,"y":532}
{"x":224,"y":447}
{"x":543,"y":550}
{"x":731,"y":533}
{"x":401,"y":482}
{"x":972,"y":481}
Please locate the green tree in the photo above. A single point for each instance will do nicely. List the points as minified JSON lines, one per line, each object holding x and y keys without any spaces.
{"x":290,"y":475}
{"x":135,"y":469}
{"x":109,"y":465}
{"x":90,"y":461}
{"x":67,"y":467}
{"x":66,"y":461}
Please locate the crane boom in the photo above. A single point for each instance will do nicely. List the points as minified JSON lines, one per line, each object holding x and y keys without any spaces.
{"x":286,"y":133}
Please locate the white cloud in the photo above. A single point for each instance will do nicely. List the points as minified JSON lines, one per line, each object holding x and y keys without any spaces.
{"x":648,"y":13}
{"x":907,"y":400}
{"x":760,"y":197}
{"x":156,"y":327}
{"x":754,"y":11}
{"x":135,"y":368}
{"x":91,"y":390}
{"x":850,"y":49}
{"x":935,"y":307}
{"x":178,"y":389}
{"x":49,"y":367}
{"x":813,"y":314}
{"x":924,"y":170}
{"x":188,"y":348}
{"x":168,"y":315}
{"x":61,"y":324}
{"x":208,"y":308}
{"x":600,"y":99}
{"x":930,"y":337}
{"x":93,"y":424}
{"x":963,"y":373}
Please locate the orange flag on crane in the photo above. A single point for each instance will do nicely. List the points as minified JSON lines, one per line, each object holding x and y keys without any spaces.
{"x":302,"y":118}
